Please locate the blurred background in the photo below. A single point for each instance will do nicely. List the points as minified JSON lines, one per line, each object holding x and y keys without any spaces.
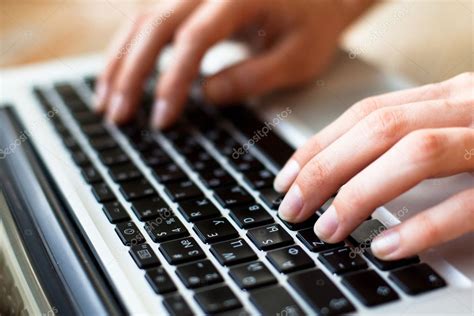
{"x":424,"y":40}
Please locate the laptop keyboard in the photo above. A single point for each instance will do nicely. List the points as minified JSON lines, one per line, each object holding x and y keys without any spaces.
{"x":251,"y":203}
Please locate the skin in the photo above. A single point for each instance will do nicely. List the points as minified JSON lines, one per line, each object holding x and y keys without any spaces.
{"x":293,"y":41}
{"x":402,"y":138}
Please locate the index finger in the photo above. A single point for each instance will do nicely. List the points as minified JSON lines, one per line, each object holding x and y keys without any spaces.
{"x":211,"y":22}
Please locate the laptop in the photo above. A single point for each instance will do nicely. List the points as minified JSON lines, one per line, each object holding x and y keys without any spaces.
{"x":98,"y":219}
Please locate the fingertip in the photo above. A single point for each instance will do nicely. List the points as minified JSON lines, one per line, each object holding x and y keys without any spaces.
{"x":160,"y":115}
{"x":117,"y":111}
{"x":100,"y":97}
{"x":386,"y":246}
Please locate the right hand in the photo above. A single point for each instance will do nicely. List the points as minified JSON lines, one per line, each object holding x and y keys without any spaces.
{"x":295,"y":40}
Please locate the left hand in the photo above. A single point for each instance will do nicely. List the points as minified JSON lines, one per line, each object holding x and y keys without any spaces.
{"x":378,"y":149}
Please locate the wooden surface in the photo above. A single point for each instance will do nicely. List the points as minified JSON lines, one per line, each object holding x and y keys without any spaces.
{"x":426,"y":40}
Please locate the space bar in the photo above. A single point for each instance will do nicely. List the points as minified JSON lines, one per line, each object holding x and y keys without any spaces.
{"x":267,"y":141}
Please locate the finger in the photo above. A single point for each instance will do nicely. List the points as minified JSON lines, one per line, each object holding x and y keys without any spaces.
{"x":375,"y":134}
{"x":114,"y":59}
{"x":211,"y":22}
{"x":348,"y":119}
{"x":258,"y":75}
{"x":446,"y":221}
{"x":420,"y":155}
{"x":140,"y":59}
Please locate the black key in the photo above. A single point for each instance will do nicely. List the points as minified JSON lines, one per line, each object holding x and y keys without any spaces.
{"x":183,"y":190}
{"x":272,"y":146}
{"x":246,"y":163}
{"x":252,"y":275}
{"x":165,"y":228}
{"x":290,"y":259}
{"x":232,"y":252}
{"x":320,"y":293}
{"x":198,"y":209}
{"x":217,"y":178}
{"x":144,"y":256}
{"x":103,"y":143}
{"x":102,"y":192}
{"x":201,"y":161}
{"x":115,"y":212}
{"x":271,"y":198}
{"x":80,"y":157}
{"x":160,"y":281}
{"x":362,"y":238}
{"x":250,"y":215}
{"x":260,"y":179}
{"x":313,"y":243}
{"x":216,"y":229}
{"x":177,"y":306}
{"x":342,"y":260}
{"x":199,"y":155}
{"x":94,"y":130}
{"x":275,"y":300}
{"x":124,"y":172}
{"x":231,"y":196}
{"x":91,"y":175}
{"x":416,"y":279}
{"x":137,"y":189}
{"x":155,"y":157}
{"x":70,"y":142}
{"x":369,"y":288}
{"x":87,"y":117}
{"x":150,"y":207}
{"x":129,"y":234}
{"x":169,"y":173}
{"x":308,"y":223}
{"x":198,"y":274}
{"x":217,"y":300}
{"x":389,"y":265}
{"x":269,"y":237}
{"x":182,"y":250}
{"x":113,"y":156}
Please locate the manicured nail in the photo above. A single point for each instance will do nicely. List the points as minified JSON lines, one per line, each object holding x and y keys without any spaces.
{"x":327,"y":224}
{"x":99,"y":96}
{"x":218,"y":90}
{"x":160,"y":110}
{"x":292,"y":204}
{"x":117,"y":111}
{"x":286,"y":176}
{"x":386,"y":243}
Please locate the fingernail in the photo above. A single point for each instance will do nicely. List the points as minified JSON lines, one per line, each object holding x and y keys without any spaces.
{"x":99,"y":96}
{"x":327,"y":224}
{"x":160,"y":110}
{"x":117,"y":111}
{"x":286,"y":176}
{"x":292,"y":204}
{"x":386,"y":243}
{"x":218,"y":90}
